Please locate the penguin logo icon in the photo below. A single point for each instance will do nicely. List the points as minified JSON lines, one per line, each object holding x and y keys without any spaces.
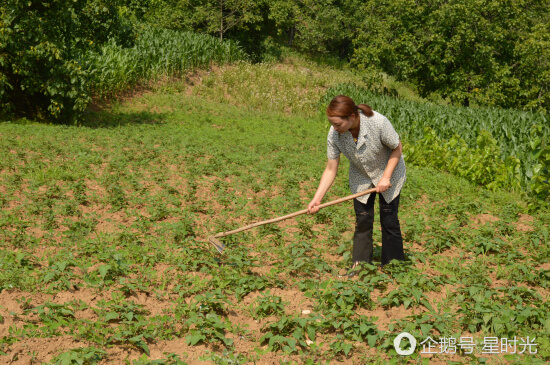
{"x":397,"y":343}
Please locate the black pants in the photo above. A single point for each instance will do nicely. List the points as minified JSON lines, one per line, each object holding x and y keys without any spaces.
{"x":392,"y":241}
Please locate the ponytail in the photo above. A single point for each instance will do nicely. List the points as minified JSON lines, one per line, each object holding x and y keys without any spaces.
{"x":367,"y":110}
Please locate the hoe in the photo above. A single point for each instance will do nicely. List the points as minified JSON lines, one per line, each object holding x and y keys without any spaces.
{"x":220,"y":246}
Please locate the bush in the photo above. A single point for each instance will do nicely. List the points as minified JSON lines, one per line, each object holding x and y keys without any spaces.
{"x":40,"y":46}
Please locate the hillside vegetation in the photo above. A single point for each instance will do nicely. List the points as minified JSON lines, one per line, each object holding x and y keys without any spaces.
{"x":466,"y":52}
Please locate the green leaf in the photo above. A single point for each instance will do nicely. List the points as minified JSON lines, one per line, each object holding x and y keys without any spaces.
{"x":144,"y":346}
{"x":426,"y":304}
{"x":111,"y":316}
{"x":49,"y":276}
{"x":371,"y":339}
{"x":62,"y":265}
{"x":103,"y":270}
{"x":311,"y":333}
{"x":67,"y":283}
{"x":195,"y":338}
{"x":346,"y":347}
{"x":425,"y":328}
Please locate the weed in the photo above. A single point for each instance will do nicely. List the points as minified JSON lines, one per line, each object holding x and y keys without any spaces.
{"x":226,"y":358}
{"x":342,"y":296}
{"x":267,"y":305}
{"x":288,"y":333}
{"x":207,"y":328}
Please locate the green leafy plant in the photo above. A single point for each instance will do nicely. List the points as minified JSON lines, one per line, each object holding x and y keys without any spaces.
{"x":360,"y":328}
{"x":210,"y":302}
{"x":342,"y":296}
{"x":404,"y":296}
{"x":226,"y":358}
{"x":207,"y":328}
{"x":106,"y":274}
{"x":540,"y":175}
{"x":341,"y":346}
{"x":59,"y":274}
{"x":301,"y":259}
{"x":79,"y":356}
{"x":267,"y":305}
{"x":481,"y":312}
{"x":289,"y":332}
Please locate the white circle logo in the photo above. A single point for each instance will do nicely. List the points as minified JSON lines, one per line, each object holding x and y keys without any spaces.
{"x":397,"y":343}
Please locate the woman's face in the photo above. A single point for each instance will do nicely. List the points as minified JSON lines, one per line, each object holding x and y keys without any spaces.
{"x":342,"y":125}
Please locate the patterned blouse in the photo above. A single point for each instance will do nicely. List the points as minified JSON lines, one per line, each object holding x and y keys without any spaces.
{"x":369,"y":156}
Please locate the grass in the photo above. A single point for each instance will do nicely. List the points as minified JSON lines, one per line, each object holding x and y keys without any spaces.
{"x":104,"y":246}
{"x":293,"y":86}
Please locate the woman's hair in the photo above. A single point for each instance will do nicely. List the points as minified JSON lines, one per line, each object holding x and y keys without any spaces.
{"x":343,"y":106}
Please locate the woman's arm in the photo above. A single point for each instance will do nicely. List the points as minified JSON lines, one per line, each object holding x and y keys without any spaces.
{"x":326,"y":181}
{"x":384,"y":183}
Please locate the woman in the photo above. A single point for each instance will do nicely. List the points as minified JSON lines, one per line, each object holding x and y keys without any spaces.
{"x":374,"y":150}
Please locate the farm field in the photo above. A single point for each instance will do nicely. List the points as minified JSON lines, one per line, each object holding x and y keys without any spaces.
{"x":104,"y":257}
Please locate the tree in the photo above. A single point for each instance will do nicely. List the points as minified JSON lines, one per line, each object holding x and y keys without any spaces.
{"x":215,"y":17}
{"x":312,"y":26}
{"x":318,"y":26}
{"x":464,"y":50}
{"x":533,"y":68}
{"x":41,"y":43}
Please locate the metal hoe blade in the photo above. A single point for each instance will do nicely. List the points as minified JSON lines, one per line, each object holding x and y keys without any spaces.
{"x":217,"y":244}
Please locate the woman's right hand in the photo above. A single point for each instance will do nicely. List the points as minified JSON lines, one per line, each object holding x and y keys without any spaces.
{"x":326,"y":181}
{"x":312,"y":207}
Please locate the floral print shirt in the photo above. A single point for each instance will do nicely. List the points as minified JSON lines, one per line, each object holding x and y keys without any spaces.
{"x":369,"y":156}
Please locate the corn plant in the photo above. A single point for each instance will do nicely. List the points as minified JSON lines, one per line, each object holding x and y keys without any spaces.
{"x":156,"y":53}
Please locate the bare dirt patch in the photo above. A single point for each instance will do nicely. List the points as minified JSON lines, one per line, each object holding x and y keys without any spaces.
{"x":524,"y":223}
{"x":483,"y":218}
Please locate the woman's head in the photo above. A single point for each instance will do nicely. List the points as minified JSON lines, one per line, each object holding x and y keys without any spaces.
{"x":343,"y":114}
{"x":343,"y":106}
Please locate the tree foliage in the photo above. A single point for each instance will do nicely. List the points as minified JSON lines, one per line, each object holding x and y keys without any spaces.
{"x":215,"y":17}
{"x":533,"y":53}
{"x":41,"y":44}
{"x":311,"y":26}
{"x":322,"y":26}
{"x":486,"y":51}
{"x":239,"y":20}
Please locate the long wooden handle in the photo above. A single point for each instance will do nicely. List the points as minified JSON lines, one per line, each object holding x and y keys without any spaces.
{"x":337,"y":201}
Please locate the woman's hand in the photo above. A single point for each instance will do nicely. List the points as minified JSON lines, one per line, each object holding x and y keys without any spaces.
{"x":383,"y":185}
{"x":326,"y":181}
{"x":312,"y":207}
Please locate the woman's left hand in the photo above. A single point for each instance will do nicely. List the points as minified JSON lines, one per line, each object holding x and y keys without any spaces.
{"x":383,"y":185}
